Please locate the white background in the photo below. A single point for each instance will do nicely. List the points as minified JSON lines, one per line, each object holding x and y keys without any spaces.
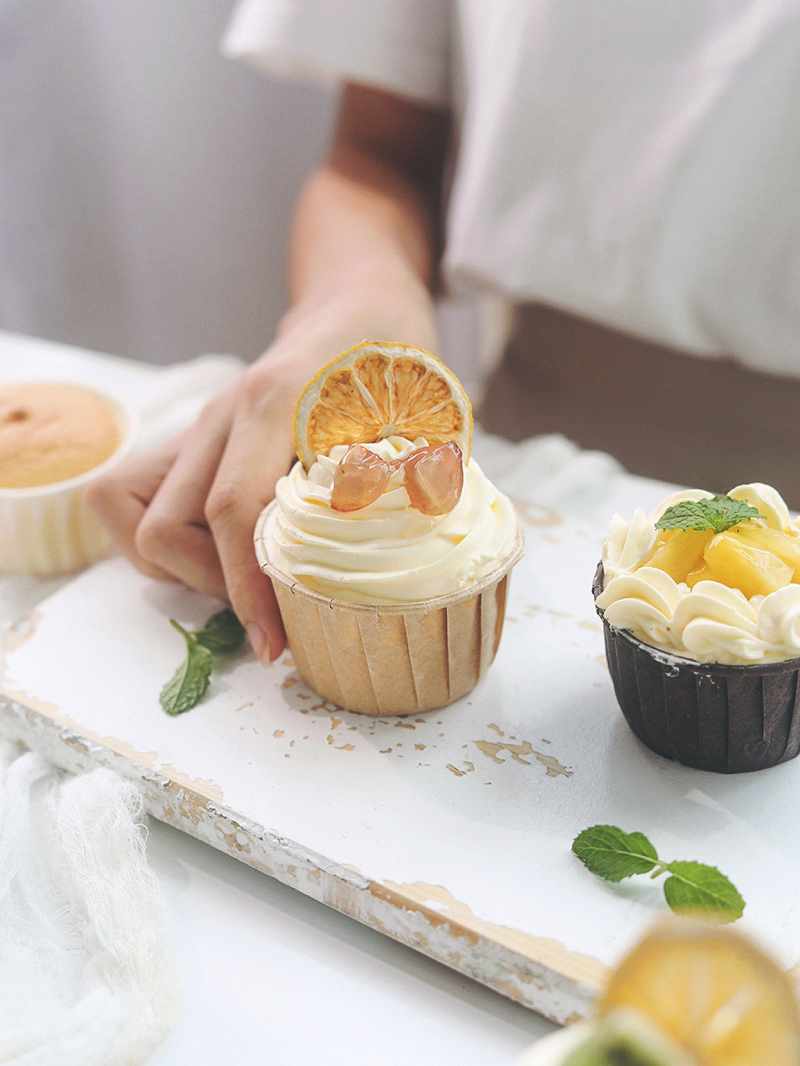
{"x":147,"y":181}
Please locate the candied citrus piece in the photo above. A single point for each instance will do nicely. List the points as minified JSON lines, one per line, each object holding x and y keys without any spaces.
{"x":434,"y":478}
{"x":753,"y":571}
{"x":360,"y":478}
{"x":378,"y":390}
{"x":677,"y":552}
{"x":711,"y":991}
{"x":784,"y":545}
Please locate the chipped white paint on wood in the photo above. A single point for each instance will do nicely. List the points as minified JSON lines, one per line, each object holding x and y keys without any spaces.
{"x":450,"y":832}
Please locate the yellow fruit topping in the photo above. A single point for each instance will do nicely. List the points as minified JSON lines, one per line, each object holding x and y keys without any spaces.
{"x":748,"y":556}
{"x":679,"y":552}
{"x":378,"y":390}
{"x":702,"y":573}
{"x":710,"y":991}
{"x":752,"y":570}
{"x":785,"y":546}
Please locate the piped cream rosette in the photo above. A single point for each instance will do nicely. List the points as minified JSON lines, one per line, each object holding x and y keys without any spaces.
{"x":709,"y":622}
{"x":386,"y":552}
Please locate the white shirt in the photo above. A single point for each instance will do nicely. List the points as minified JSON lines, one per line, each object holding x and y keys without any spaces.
{"x":633,"y":161}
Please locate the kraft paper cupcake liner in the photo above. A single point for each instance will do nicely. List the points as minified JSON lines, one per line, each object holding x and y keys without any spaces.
{"x":727,"y":719}
{"x":394,"y":659}
{"x":48,"y":529}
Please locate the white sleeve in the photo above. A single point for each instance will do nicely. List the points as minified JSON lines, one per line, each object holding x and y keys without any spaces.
{"x":398,"y":45}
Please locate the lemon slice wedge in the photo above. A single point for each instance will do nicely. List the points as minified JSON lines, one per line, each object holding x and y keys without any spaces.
{"x":712,"y":992}
{"x":378,"y":390}
{"x":689,"y":994}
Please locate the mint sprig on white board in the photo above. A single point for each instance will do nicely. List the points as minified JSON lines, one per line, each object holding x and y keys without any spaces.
{"x":222,"y":634}
{"x":691,"y":887}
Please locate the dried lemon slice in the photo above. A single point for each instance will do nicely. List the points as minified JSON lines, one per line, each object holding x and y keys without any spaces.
{"x":712,"y":992}
{"x":378,"y":390}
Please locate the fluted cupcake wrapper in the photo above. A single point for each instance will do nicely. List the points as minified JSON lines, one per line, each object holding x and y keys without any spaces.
{"x":394,"y":659}
{"x":728,"y":719}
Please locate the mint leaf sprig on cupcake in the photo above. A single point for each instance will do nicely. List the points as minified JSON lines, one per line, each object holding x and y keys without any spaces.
{"x":692,"y":887}
{"x":717,"y":514}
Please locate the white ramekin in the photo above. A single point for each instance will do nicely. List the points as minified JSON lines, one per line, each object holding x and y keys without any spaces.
{"x":48,"y":529}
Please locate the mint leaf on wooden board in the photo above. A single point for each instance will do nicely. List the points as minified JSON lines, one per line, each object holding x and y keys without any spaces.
{"x":190,"y":682}
{"x":612,"y":854}
{"x":717,"y":514}
{"x":694,"y":887}
{"x":222,"y":634}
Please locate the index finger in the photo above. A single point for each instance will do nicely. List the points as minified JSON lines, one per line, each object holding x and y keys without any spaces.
{"x":258,"y":452}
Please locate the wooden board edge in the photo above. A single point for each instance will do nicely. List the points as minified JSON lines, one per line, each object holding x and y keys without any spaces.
{"x":538,"y":973}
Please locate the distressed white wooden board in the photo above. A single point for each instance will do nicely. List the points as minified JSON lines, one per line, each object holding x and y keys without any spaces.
{"x":451,"y":832}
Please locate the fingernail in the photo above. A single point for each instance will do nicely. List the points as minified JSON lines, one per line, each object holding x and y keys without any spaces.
{"x":258,"y":640}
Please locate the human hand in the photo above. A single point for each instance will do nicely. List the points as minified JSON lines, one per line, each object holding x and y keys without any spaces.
{"x":186,"y":511}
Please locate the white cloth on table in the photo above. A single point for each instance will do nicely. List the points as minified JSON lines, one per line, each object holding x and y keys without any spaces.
{"x":548,"y":471}
{"x":632,"y":161}
{"x":84,"y":976}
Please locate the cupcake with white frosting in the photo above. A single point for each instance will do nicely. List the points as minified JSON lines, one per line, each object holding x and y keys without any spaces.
{"x":701,"y":609}
{"x":389,"y":557}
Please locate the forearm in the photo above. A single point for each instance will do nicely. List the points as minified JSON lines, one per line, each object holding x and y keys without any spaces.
{"x":365,"y":240}
{"x":361,"y":263}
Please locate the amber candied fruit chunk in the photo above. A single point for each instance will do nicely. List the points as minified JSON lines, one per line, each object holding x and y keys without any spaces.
{"x":360,"y":478}
{"x":434,"y":478}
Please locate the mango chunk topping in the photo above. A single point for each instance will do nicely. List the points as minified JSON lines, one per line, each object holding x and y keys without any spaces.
{"x":787,"y":548}
{"x":752,"y":570}
{"x":748,"y":556}
{"x":679,"y":552}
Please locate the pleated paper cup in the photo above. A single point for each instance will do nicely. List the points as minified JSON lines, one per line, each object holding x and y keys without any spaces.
{"x":393,"y":659}
{"x":48,"y":530}
{"x":727,"y":719}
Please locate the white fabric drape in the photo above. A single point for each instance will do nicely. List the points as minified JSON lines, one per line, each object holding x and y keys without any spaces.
{"x":84,"y":978}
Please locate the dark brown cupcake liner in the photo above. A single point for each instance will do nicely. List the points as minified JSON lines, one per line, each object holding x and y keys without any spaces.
{"x":728,"y":719}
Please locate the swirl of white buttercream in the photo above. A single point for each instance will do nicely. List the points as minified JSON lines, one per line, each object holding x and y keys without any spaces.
{"x":768,"y":501}
{"x":779,"y":618}
{"x":386,"y":552}
{"x":718,"y":624}
{"x":711,"y":622}
{"x":627,"y":544}
{"x":643,"y":603}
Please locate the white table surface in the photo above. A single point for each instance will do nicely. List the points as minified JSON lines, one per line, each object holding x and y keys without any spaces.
{"x":269,"y":975}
